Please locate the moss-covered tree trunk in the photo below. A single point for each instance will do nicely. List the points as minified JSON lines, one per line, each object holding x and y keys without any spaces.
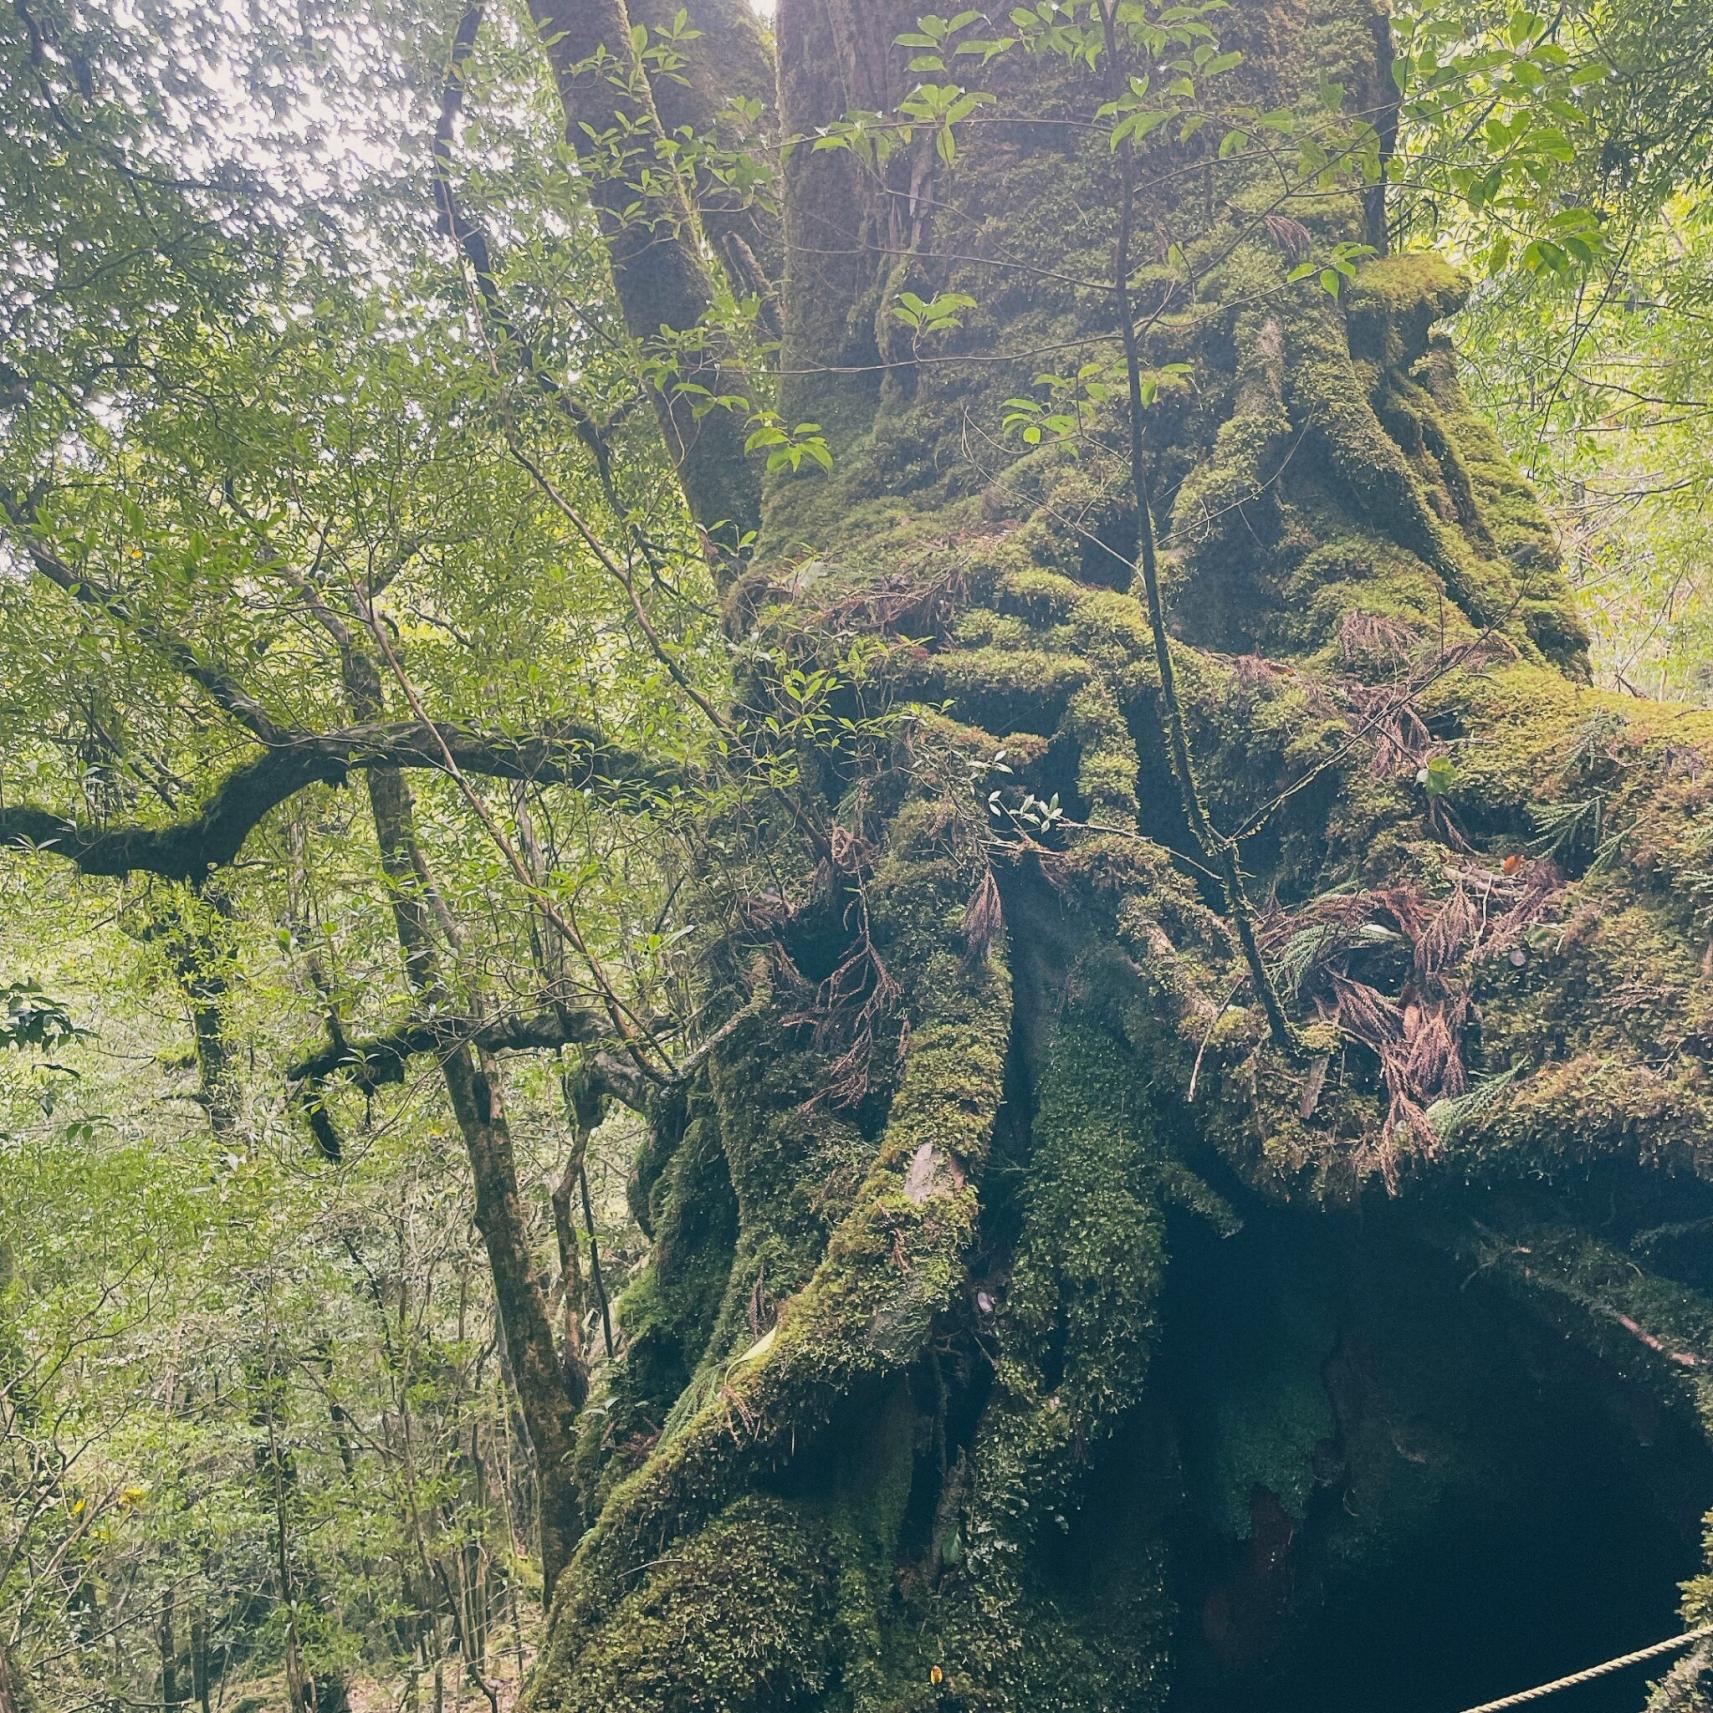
{"x":1031,"y":1324}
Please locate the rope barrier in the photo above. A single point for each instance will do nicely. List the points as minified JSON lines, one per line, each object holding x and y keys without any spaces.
{"x":1595,"y":1671}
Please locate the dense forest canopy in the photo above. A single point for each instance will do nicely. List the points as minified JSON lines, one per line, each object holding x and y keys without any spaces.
{"x":854,"y":858}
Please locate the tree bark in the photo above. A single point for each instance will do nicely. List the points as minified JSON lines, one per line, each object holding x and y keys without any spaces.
{"x":200,"y":1685}
{"x":728,"y":67}
{"x":166,"y":1639}
{"x":663,"y":284}
{"x":932,"y":1419}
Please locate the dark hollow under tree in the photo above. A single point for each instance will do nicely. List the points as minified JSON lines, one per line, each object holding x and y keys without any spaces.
{"x":1201,"y":1196}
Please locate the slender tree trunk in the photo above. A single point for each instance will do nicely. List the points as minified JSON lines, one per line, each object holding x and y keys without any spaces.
{"x":166,"y":1640}
{"x":201,"y":959}
{"x":473,"y":1087}
{"x":200,"y":1684}
{"x":278,"y":1469}
{"x":1011,"y":1338}
{"x":15,"y":1693}
{"x":725,"y":90}
{"x":549,"y":1409}
{"x":652,"y":238}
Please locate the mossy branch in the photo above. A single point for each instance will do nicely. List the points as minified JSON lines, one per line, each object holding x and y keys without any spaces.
{"x":211,"y":839}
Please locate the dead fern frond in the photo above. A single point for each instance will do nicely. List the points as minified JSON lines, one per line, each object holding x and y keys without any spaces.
{"x":1375,"y":637}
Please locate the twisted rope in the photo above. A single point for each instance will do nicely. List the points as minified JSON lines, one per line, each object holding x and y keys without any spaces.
{"x":1595,"y":1671}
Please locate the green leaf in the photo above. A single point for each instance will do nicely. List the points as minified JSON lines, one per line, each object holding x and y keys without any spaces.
{"x":1437,"y":777}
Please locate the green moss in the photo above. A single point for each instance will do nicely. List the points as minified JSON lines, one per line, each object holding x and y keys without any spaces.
{"x":1330,"y":404}
{"x":738,"y":1619}
{"x":1510,"y":516}
{"x":1088,"y":1269}
{"x":890,"y":1263}
{"x":666,"y":1316}
{"x":1074,"y":1331}
{"x":1394,"y":303}
{"x":1226,"y":517}
{"x":1594,"y":1293}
